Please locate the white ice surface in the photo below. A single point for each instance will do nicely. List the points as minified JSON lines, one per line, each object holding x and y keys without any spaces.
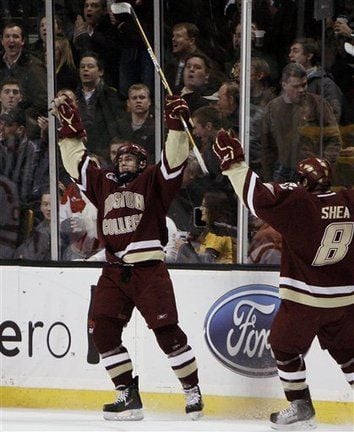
{"x":13,"y":419}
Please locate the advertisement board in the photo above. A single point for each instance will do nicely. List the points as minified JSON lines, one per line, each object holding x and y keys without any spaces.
{"x":45,"y":343}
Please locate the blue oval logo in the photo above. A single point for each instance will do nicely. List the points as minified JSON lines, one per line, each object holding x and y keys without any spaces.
{"x":237,"y":327}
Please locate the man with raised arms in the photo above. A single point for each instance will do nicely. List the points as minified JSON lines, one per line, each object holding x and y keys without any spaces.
{"x":132,"y":202}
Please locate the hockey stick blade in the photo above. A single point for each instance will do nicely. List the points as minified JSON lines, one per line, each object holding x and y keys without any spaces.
{"x":121,"y":8}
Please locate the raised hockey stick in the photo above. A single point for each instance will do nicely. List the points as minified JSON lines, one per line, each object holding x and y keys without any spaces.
{"x":126,"y":8}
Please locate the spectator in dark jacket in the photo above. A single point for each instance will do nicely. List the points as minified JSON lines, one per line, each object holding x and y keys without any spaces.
{"x":98,"y":103}
{"x":199,"y":79}
{"x":37,"y":245}
{"x":135,"y":64}
{"x":9,"y":220}
{"x":30,"y":71}
{"x":19,"y":152}
{"x":184,"y":43}
{"x":138,"y":125}
{"x":307,"y":53}
{"x":38,"y":48}
{"x":18,"y":159}
{"x":67,"y":76}
{"x":94,"y":32}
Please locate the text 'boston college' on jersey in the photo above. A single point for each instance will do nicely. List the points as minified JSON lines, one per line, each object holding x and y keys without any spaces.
{"x":132,"y":217}
{"x":317,"y":264}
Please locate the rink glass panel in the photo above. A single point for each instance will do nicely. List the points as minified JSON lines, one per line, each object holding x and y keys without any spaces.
{"x":220,"y":38}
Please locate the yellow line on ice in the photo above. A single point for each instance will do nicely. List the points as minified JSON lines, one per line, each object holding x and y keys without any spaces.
{"x":221,"y":406}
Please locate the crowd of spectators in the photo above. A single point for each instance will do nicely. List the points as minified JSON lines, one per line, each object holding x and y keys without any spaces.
{"x":301,"y":105}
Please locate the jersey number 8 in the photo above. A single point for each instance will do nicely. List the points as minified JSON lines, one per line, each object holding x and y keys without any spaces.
{"x":334,"y":244}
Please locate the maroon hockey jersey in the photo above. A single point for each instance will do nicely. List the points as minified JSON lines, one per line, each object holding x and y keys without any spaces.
{"x":131,"y":217}
{"x":317,"y":263}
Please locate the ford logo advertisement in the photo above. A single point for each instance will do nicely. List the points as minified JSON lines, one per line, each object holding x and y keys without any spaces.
{"x":237,"y":327}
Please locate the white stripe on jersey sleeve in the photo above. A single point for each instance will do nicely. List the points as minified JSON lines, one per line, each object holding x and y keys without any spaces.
{"x":250,"y":193}
{"x":169,"y":176}
{"x":83,"y":174}
{"x":237,"y":175}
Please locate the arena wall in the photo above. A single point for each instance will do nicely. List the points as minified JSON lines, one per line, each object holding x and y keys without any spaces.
{"x":47,"y":359}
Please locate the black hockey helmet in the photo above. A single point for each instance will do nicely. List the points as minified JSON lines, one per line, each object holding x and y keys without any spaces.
{"x":141,"y":155}
{"x":314,"y":174}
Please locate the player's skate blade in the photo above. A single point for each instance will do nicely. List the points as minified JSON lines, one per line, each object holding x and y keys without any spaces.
{"x":196,"y":415}
{"x":129,"y":415}
{"x":298,"y":426}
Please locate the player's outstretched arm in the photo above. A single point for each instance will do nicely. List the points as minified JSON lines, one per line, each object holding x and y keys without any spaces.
{"x":71,"y":132}
{"x":177,"y":143}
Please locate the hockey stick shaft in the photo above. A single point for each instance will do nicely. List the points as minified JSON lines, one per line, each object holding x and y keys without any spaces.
{"x":121,"y":7}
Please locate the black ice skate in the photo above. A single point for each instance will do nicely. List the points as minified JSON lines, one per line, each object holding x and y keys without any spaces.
{"x":194,"y":402}
{"x":300,"y":415}
{"x":127,"y":407}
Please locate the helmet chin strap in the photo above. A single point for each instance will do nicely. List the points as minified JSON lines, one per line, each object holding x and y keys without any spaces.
{"x":126,"y":177}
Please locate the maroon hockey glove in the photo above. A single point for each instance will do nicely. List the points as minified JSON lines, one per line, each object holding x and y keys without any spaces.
{"x":228,"y":149}
{"x":175,"y":109}
{"x":70,"y":122}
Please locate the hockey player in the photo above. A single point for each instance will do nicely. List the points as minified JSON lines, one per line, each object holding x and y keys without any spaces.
{"x":316,"y":272}
{"x":132,"y":201}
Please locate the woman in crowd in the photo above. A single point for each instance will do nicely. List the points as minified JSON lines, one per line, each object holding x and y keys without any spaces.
{"x":215,"y":244}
